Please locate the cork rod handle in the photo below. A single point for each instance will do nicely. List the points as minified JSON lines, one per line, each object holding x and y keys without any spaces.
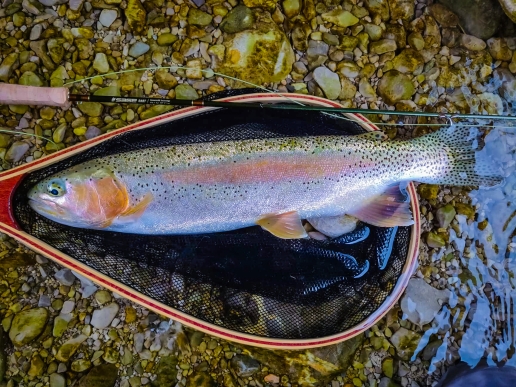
{"x":31,"y":95}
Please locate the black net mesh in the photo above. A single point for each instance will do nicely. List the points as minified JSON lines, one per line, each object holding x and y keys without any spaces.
{"x":247,"y":280}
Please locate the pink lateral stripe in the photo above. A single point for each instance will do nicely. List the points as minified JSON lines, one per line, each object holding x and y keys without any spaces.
{"x":270,"y":169}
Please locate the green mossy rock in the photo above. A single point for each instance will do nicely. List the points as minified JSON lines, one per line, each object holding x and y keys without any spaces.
{"x":394,"y":87}
{"x":136,"y":16}
{"x":198,"y":17}
{"x":428,"y":191}
{"x":261,"y":55}
{"x":238,"y":19}
{"x":27,"y":325}
{"x":104,"y":375}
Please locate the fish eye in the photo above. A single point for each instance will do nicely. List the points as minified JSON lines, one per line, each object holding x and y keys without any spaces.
{"x":56,"y":188}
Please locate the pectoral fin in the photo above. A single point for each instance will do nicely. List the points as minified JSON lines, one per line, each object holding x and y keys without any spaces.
{"x":286,"y":226}
{"x":137,"y":210}
{"x":389,"y":209}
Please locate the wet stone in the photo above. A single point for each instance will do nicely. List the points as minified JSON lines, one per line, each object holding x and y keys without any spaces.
{"x":27,"y":325}
{"x":348,"y":89}
{"x":138,"y":49}
{"x":465,"y":209}
{"x":387,"y":382}
{"x":44,"y":301}
{"x":166,"y":373}
{"x":80,"y":365}
{"x":431,"y":349}
{"x":110,"y":355}
{"x":136,"y":16}
{"x":101,"y":63}
{"x":185,"y":91}
{"x":328,"y":81}
{"x":29,"y":78}
{"x":130,"y":314}
{"x":244,"y":366}
{"x":388,"y":366}
{"x":35,"y":32}
{"x":378,"y":7}
{"x":348,"y":43}
{"x":103,"y":296}
{"x":167,"y":39}
{"x":340,"y":18}
{"x":155,"y":110}
{"x":443,"y":15}
{"x":420,"y":302}
{"x":91,"y":109}
{"x":478,"y":18}
{"x":428,"y":191}
{"x":107,"y":17}
{"x":409,"y":61}
{"x":198,"y":17}
{"x":101,"y":318}
{"x":61,"y":324}
{"x":498,"y":49}
{"x":405,"y":341}
{"x":365,"y":89}
{"x":445,"y":215}
{"x":382,"y":46}
{"x":394,"y":87}
{"x":92,"y":132}
{"x":104,"y":375}
{"x":200,"y":379}
{"x":9,"y":64}
{"x":18,"y":19}
{"x":56,"y":49}
{"x":401,"y":9}
{"x":69,"y":347}
{"x":36,"y":366}
{"x":238,"y":19}
{"x":16,"y":152}
{"x":317,"y":53}
{"x":57,"y":380}
{"x":65,"y":277}
{"x":434,"y":240}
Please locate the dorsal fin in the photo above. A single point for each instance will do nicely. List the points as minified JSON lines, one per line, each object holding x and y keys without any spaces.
{"x":389,"y":209}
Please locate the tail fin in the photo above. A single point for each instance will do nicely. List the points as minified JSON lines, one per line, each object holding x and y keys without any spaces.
{"x":464,"y":166}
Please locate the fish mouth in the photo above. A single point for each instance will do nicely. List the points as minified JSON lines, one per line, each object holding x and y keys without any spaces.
{"x":45,"y":207}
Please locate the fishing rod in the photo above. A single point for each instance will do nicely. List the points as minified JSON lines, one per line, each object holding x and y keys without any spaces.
{"x":60,"y":96}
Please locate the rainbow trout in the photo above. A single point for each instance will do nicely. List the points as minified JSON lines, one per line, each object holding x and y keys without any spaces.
{"x":274,"y":183}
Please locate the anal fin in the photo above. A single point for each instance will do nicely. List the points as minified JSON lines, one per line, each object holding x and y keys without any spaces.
{"x":286,"y":226}
{"x":389,"y":209}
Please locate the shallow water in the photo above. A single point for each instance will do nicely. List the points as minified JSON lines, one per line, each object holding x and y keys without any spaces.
{"x":484,"y":282}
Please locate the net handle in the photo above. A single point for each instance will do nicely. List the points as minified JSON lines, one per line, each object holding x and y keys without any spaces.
{"x":31,"y":95}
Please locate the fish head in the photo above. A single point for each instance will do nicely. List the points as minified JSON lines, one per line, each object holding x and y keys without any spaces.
{"x":80,"y":197}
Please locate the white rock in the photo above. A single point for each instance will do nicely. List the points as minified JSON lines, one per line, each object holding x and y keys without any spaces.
{"x":102,"y":317}
{"x":107,"y":17}
{"x":75,"y":5}
{"x":68,"y":307}
{"x":328,"y":81}
{"x":420,"y":302}
{"x":65,"y":277}
{"x":57,"y":380}
{"x":35,"y":32}
{"x":44,"y":301}
{"x":88,"y":291}
{"x":138,"y":342}
{"x":334,"y":226}
{"x":101,"y":63}
{"x":138,"y":49}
